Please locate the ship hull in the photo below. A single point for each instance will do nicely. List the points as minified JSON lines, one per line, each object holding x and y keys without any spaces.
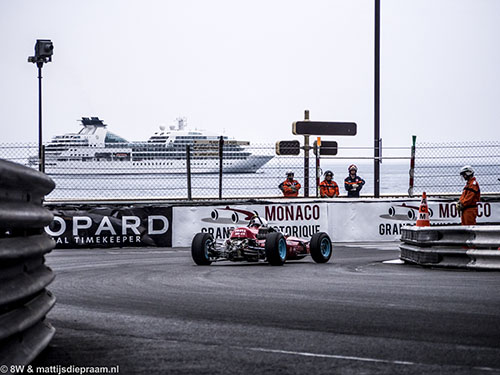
{"x":161,"y":166}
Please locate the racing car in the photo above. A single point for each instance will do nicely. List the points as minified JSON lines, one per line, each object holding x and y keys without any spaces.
{"x":259,"y":242}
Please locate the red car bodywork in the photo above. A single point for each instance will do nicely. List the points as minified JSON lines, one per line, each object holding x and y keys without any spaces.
{"x":296,"y":248}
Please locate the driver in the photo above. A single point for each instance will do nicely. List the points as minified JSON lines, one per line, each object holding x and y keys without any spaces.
{"x":257,"y":221}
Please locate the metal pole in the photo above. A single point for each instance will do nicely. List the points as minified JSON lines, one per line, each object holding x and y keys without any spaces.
{"x":188,"y":165}
{"x":306,"y":158}
{"x":376,"y":170}
{"x":41,"y":166}
{"x":318,"y":168}
{"x":412,"y":167}
{"x":221,"y":146}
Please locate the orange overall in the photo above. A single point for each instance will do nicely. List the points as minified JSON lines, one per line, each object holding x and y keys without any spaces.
{"x":328,"y":189}
{"x":469,"y":198}
{"x":290,"y":188}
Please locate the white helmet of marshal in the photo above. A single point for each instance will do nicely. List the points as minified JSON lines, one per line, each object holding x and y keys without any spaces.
{"x":466,"y":171}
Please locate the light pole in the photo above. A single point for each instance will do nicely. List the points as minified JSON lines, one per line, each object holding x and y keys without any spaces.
{"x":377,"y":141}
{"x":43,"y":54}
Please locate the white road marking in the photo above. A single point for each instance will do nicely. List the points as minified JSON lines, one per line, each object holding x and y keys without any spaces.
{"x":362,"y":359}
{"x":334,"y":356}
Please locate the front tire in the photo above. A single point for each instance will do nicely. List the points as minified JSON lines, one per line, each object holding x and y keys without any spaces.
{"x":199,"y":248}
{"x":276,"y":249}
{"x":320,"y":247}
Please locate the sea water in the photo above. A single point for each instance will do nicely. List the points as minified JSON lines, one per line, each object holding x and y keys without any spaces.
{"x":394,"y":179}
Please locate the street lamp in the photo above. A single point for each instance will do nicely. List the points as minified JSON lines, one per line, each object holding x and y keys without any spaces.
{"x":43,"y":54}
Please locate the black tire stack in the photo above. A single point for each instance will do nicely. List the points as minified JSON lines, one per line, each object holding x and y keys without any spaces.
{"x":24,"y":299}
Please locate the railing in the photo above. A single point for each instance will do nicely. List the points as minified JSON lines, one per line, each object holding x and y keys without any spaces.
{"x":24,"y":300}
{"x":122,"y":172}
{"x":455,"y":246}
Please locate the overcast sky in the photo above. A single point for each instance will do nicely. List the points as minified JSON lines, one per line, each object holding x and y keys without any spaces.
{"x":252,"y":67}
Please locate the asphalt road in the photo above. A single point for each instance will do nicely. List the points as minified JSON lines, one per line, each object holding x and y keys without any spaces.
{"x":152,"y":311}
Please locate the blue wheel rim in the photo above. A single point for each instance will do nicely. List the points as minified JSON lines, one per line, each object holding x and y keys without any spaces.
{"x":206,"y":247}
{"x":282,"y":248}
{"x":326,"y":247}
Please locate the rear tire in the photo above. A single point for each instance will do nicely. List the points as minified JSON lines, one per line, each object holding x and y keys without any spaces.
{"x":199,"y":248}
{"x":320,"y":247}
{"x":276,"y":251}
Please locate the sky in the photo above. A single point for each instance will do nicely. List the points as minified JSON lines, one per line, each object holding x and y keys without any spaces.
{"x":250,"y":68}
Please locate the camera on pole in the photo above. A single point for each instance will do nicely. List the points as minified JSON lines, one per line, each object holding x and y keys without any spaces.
{"x":43,"y":52}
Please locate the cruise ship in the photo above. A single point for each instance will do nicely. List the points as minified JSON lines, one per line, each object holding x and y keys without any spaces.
{"x":96,"y":150}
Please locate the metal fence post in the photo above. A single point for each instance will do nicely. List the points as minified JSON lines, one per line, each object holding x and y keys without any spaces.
{"x":188,"y":166}
{"x":318,"y":168}
{"x":412,"y":167}
{"x":42,"y":159}
{"x":221,"y":146}
{"x":306,"y":158}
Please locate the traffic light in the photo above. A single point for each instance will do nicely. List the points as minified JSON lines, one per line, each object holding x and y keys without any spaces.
{"x":326,"y":148}
{"x":323,"y":128}
{"x":287,"y":148}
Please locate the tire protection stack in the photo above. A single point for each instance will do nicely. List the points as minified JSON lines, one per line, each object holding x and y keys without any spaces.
{"x":24,"y":299}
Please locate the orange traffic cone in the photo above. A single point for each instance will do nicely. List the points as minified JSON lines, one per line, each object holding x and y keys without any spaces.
{"x":423,"y":213}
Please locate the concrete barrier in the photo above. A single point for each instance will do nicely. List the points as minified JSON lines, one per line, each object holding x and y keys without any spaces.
{"x":474,"y":247}
{"x":24,"y":299}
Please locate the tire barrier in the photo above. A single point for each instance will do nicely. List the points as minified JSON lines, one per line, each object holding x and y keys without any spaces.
{"x":474,"y":247}
{"x":24,"y":299}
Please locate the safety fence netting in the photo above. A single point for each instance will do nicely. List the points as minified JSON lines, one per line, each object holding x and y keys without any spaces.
{"x":149,"y":171}
{"x":437,"y":166}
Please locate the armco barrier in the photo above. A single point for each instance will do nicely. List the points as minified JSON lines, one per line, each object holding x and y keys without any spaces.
{"x":24,"y":300}
{"x":473,"y":247}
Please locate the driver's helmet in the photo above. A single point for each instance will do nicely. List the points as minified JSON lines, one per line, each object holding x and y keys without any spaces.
{"x":257,"y":221}
{"x":254,"y":221}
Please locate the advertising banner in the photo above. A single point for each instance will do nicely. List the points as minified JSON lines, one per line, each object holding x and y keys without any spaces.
{"x":382,"y":220}
{"x":297,"y":219}
{"x":112,"y":227}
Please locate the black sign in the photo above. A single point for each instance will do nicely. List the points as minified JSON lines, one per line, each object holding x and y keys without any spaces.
{"x":323,"y":128}
{"x":287,"y":147}
{"x":112,"y":227}
{"x":326,"y":148}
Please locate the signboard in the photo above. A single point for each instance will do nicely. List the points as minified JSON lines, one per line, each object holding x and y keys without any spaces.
{"x":287,"y":148}
{"x":112,"y":227}
{"x":382,"y":220}
{"x":295,"y":219}
{"x":323,"y":128}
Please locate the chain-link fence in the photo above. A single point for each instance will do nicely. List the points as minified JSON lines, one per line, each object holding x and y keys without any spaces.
{"x":437,"y":166}
{"x":146,"y":171}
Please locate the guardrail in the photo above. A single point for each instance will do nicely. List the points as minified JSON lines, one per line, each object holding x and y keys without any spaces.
{"x":24,"y":299}
{"x":475,"y":247}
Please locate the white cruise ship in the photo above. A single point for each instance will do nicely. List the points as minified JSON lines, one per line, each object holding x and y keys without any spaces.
{"x":96,"y":150}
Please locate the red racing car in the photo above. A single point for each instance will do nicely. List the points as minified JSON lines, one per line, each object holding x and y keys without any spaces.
{"x":259,"y":242}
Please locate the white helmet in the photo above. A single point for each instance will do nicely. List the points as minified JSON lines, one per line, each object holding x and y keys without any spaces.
{"x":256,"y":220}
{"x":289,"y":172}
{"x":467,"y":171}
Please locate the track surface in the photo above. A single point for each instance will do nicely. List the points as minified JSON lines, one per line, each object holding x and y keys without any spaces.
{"x":153,"y":311}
